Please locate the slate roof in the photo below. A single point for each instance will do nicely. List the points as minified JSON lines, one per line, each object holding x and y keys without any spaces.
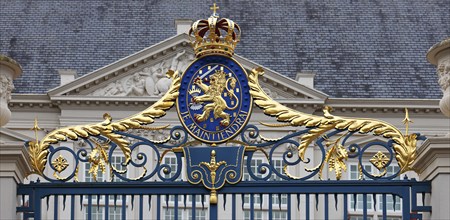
{"x":358,"y":48}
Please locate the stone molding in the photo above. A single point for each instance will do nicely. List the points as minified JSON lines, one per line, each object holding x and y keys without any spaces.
{"x":44,"y":102}
{"x":14,"y":161}
{"x":123,"y":65}
{"x":150,"y":81}
{"x":121,"y":71}
{"x":433,"y":158}
{"x":285,"y":83}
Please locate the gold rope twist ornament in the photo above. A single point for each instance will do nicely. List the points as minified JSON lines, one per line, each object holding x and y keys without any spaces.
{"x":404,"y":145}
{"x":38,"y":150}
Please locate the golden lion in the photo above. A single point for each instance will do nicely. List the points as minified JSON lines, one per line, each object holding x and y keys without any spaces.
{"x":213,"y":93}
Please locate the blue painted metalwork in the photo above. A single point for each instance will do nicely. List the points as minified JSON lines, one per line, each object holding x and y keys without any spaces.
{"x":266,"y":179}
{"x":178,"y":137}
{"x":227,"y":159}
{"x":401,"y":188}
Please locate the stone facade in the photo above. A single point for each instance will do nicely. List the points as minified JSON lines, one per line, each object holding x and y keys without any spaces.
{"x":85,"y":99}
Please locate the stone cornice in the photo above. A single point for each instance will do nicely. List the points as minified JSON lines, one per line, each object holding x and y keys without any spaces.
{"x":433,"y":157}
{"x":32,"y":101}
{"x":427,"y":106}
{"x":384,"y":105}
{"x":124,"y":64}
{"x":281,"y":80}
{"x":14,"y":161}
{"x":164,"y":50}
{"x":14,"y":134}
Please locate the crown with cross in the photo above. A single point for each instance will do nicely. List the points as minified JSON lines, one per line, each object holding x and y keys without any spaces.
{"x":214,"y":35}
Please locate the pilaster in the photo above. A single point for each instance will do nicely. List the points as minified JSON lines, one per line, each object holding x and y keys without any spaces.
{"x":433,"y":164}
{"x":13,"y":169}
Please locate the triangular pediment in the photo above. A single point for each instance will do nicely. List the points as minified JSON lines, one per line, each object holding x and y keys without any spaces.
{"x":143,"y":75}
{"x":7,"y":135}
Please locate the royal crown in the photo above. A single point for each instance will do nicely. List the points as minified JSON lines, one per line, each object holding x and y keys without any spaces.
{"x":214,"y":35}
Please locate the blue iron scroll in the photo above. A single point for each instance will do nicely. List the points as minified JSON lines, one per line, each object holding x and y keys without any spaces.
{"x":214,"y":166}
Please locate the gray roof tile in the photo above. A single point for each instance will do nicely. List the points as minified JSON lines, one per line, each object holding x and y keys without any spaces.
{"x":358,"y":48}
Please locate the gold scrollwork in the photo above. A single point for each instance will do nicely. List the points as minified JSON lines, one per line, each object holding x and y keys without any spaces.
{"x":404,"y":145}
{"x":38,"y":150}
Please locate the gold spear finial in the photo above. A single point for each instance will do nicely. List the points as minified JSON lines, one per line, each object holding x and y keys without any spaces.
{"x":407,"y":120}
{"x":36,"y":128}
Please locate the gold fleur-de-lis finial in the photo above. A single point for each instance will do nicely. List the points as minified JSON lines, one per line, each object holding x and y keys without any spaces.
{"x":407,"y":120}
{"x":36,"y":128}
{"x":212,"y":167}
{"x":214,"y":8}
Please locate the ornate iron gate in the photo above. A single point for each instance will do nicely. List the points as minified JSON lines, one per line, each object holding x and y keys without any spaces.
{"x":217,"y":161}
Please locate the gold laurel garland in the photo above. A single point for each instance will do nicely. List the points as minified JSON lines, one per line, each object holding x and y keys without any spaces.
{"x":38,"y":150}
{"x":404,"y":145}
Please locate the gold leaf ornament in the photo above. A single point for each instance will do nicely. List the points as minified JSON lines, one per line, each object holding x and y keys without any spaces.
{"x":38,"y":150}
{"x":379,"y":160}
{"x":404,"y":145}
{"x":60,"y":163}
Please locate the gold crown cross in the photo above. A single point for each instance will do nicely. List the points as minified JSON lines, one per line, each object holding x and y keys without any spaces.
{"x":214,"y":8}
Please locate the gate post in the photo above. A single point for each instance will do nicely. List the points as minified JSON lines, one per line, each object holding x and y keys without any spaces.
{"x":13,"y":162}
{"x":433,"y":164}
{"x":433,"y":158}
{"x":13,"y":169}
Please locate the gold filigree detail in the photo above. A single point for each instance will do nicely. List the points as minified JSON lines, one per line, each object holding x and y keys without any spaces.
{"x":269,"y":139}
{"x":404,"y":145}
{"x":212,"y":167}
{"x":360,"y":176}
{"x":107,"y":128}
{"x":98,"y":158}
{"x":379,"y":160}
{"x":60,"y":163}
{"x":335,"y":157}
{"x":75,"y":178}
{"x":153,"y":128}
{"x":278,"y":125}
{"x":165,"y":140}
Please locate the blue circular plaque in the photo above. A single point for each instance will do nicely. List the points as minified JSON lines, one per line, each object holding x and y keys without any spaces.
{"x":214,"y":101}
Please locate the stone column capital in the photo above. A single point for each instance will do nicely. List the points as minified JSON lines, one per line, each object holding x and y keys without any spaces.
{"x":14,"y":161}
{"x":433,"y":158}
